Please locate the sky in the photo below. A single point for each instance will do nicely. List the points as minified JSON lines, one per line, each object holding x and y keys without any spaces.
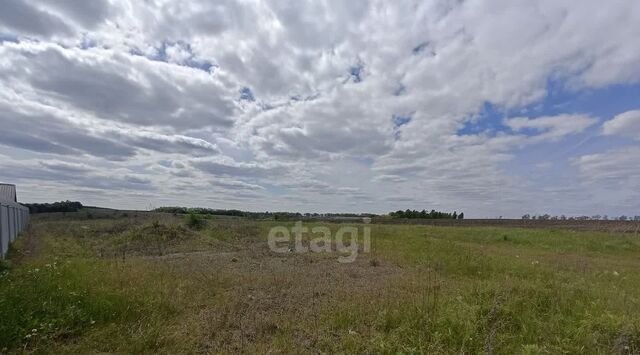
{"x":494,"y":108}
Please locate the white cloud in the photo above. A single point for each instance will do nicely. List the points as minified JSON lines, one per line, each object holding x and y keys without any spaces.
{"x":23,"y":18}
{"x":551,"y":127}
{"x":614,"y":168}
{"x":138,"y":84}
{"x":612,"y":178}
{"x":625,"y":124}
{"x":116,"y":86}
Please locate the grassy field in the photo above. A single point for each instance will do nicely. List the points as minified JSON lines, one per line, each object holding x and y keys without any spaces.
{"x":154,"y":283}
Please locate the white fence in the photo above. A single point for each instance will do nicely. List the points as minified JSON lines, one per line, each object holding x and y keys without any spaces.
{"x":13,"y":220}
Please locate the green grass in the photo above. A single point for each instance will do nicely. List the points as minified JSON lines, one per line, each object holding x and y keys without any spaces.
{"x":59,"y":301}
{"x":155,"y":284}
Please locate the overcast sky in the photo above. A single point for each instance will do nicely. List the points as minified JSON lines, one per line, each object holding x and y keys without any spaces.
{"x":490,"y":107}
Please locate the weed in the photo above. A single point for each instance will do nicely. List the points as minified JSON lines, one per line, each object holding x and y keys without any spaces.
{"x":5,"y":265}
{"x":195,"y":221}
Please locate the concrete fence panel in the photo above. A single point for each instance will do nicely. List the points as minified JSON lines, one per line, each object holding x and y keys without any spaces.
{"x":12,"y":224}
{"x":13,"y":220}
{"x":4,"y":230}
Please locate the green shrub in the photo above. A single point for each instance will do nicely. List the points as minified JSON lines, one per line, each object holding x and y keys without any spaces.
{"x":4,"y":265}
{"x":195,"y":221}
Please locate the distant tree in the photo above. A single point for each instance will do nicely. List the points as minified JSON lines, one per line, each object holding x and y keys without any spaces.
{"x":422,"y":214}
{"x":526,"y":216}
{"x":62,"y":206}
{"x":194,"y":221}
{"x":461,"y":215}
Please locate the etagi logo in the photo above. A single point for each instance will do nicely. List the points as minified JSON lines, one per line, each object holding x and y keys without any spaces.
{"x":323,"y":240}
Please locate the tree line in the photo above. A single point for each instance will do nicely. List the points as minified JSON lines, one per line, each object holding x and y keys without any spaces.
{"x":547,"y":217}
{"x":62,"y":206}
{"x":186,"y":210}
{"x":433,"y":214}
{"x":257,"y":215}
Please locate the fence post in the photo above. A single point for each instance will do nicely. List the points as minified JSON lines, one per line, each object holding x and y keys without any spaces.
{"x":5,"y":229}
{"x":15,"y":225}
{"x":10,"y":224}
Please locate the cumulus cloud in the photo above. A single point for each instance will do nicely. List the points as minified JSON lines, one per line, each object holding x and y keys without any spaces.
{"x":551,"y":127}
{"x":115,"y":86}
{"x":44,"y":132}
{"x":624,"y":124}
{"x":57,"y":172}
{"x":310,"y":105}
{"x":19,"y":17}
{"x":613,"y":175}
{"x":613,"y":166}
{"x":86,"y":14}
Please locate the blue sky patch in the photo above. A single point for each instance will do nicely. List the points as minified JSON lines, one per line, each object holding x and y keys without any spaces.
{"x":246,"y":94}
{"x":604,"y":103}
{"x":8,"y":38}
{"x":356,"y":73}
{"x":488,"y":120}
{"x":88,"y":43}
{"x":161,"y":56}
{"x":399,"y":121}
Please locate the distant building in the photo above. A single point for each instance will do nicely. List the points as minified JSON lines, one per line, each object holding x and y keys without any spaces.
{"x":8,"y":193}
